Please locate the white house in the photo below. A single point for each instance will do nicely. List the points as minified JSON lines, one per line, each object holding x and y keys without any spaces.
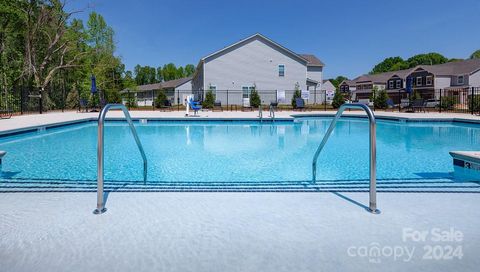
{"x":260,"y":63}
{"x":175,"y":90}
{"x":329,"y":90}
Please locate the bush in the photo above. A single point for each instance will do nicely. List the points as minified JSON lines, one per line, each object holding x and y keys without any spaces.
{"x":160,"y":99}
{"x":130,"y":100}
{"x":338,"y":99}
{"x":447,"y":102}
{"x":209,"y":100}
{"x":255,"y":99}
{"x":380,"y":100}
{"x":475,"y":106}
{"x":296,"y":94}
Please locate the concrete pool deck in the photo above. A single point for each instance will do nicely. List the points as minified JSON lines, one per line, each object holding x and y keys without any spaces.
{"x":19,"y":123}
{"x":251,"y":231}
{"x":239,"y":232}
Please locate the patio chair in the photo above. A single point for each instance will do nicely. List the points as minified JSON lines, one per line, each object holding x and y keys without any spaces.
{"x":418,"y":104}
{"x":6,"y":114}
{"x":246,"y":105}
{"x":217,"y":105}
{"x":273,"y":107}
{"x":432,"y":104}
{"x":404,"y":104}
{"x":83,"y":105}
{"x":299,"y":104}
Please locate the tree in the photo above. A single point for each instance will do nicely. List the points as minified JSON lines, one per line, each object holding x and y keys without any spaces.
{"x":160,"y":99}
{"x":380,"y":99}
{"x":426,"y":59}
{"x":209,"y":100}
{"x":387,"y":64}
{"x":475,"y":55}
{"x":255,"y":98}
{"x":189,"y":70}
{"x":336,"y":81}
{"x":338,"y":99}
{"x":169,"y":72}
{"x":296,"y":94}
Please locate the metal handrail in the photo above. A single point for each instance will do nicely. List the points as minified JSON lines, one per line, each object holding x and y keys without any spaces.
{"x":373,"y":150}
{"x":100,"y":154}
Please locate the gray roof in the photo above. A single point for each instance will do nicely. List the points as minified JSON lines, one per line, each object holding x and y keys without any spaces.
{"x":162,"y":85}
{"x":312,"y":60}
{"x":453,"y":68}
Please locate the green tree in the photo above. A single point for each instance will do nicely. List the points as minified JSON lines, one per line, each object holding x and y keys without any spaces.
{"x":387,"y":65}
{"x":336,"y":81}
{"x":380,"y":99}
{"x":475,"y":55}
{"x":296,"y":94}
{"x":255,"y":98}
{"x":338,"y":99}
{"x":160,"y":99}
{"x":189,"y":70}
{"x":209,"y":100}
{"x":426,"y":59}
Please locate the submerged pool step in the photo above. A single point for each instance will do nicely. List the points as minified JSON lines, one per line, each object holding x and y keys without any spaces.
{"x":414,"y":185}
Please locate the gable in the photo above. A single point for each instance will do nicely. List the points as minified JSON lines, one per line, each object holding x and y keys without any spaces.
{"x":256,"y":38}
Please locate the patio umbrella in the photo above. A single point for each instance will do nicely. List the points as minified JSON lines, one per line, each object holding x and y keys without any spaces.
{"x":409,"y":86}
{"x":93,"y":90}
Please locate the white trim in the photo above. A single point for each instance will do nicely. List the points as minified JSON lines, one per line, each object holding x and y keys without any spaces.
{"x":431,"y":80}
{"x":463,"y":79}
{"x":398,"y":83}
{"x":416,"y":81}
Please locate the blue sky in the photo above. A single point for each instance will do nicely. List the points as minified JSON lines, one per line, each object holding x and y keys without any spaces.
{"x":349,"y":36}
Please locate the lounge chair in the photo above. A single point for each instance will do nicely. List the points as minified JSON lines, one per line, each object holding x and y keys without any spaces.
{"x":299,"y":104}
{"x":83,"y":105}
{"x":273,"y":108}
{"x":390,"y":104}
{"x":432,"y":104}
{"x":195,"y":106}
{"x":166,"y":105}
{"x":418,"y":104}
{"x":217,"y":105}
{"x":6,"y":114}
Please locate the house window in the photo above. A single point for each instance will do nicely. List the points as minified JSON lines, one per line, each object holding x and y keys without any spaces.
{"x":281,"y":70}
{"x":460,"y":80}
{"x":246,"y":91}
{"x":390,"y":84}
{"x":398,"y":84}
{"x":429,"y":80}
{"x":419,"y":81}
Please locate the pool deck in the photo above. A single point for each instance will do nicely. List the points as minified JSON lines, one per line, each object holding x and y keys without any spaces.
{"x":236,"y":231}
{"x":26,"y":122}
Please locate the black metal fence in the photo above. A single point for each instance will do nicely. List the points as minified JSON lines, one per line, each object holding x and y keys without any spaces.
{"x":453,"y":100}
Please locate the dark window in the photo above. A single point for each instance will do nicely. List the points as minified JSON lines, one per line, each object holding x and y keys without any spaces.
{"x":281,"y":70}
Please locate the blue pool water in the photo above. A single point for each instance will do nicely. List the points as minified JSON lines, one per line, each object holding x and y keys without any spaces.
{"x":239,"y":151}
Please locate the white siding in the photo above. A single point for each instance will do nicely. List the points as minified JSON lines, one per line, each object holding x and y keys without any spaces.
{"x":187,"y":86}
{"x":474,"y":79}
{"x":315,"y":73}
{"x":442,"y":82}
{"x":254,"y":63}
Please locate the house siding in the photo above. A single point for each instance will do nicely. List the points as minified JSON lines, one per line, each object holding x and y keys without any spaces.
{"x":442,"y":82}
{"x":315,"y":73}
{"x":254,"y":63}
{"x":474,"y":79}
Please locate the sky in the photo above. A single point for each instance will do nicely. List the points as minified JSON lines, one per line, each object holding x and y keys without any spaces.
{"x":350,"y":37}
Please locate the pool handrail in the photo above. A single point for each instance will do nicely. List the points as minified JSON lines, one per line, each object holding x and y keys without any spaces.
{"x":100,"y":151}
{"x":373,"y":150}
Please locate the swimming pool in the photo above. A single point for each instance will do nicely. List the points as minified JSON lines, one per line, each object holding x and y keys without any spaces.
{"x":210,"y":152}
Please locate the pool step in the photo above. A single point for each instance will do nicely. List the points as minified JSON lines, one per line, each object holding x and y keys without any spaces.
{"x":414,"y":185}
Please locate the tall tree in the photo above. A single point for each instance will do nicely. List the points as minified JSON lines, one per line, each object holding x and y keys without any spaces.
{"x":189,"y":70}
{"x":387,"y":65}
{"x":426,"y":59}
{"x":475,"y":55}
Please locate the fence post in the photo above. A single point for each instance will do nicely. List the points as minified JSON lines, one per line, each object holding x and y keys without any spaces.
{"x":325,"y":100}
{"x":21,"y":100}
{"x":472,"y":103}
{"x":227,"y":99}
{"x":178,"y":100}
{"x":399,"y":100}
{"x":440,"y":106}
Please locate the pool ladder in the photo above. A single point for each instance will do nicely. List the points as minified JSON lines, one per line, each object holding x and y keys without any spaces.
{"x":373,"y":150}
{"x":100,"y":152}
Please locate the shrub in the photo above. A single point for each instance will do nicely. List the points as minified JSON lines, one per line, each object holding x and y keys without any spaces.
{"x":447,"y":102}
{"x":475,"y":106}
{"x":130,"y":100}
{"x":160,"y":99}
{"x":255,"y":99}
{"x":296,"y":94}
{"x":209,"y":100}
{"x":338,"y":99}
{"x":380,"y":100}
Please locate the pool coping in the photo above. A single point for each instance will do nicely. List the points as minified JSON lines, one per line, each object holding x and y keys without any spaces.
{"x":292,"y":117}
